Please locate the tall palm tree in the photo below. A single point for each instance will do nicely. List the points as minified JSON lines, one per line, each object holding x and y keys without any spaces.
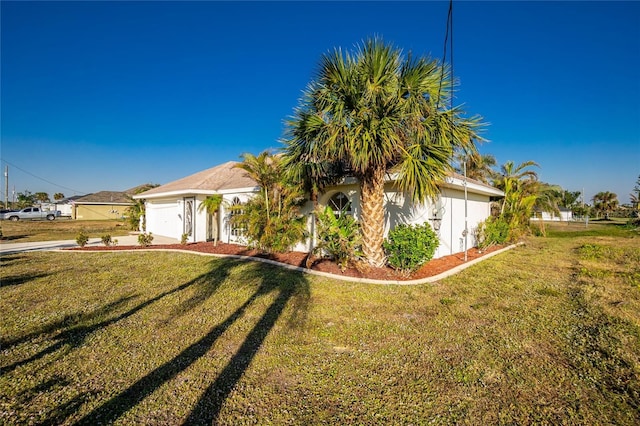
{"x":375,"y":112}
{"x":605,"y":202}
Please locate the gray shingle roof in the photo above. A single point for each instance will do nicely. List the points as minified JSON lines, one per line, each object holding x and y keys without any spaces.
{"x":223,"y":177}
{"x":105,"y":197}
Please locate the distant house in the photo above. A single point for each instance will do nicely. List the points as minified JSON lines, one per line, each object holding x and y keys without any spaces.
{"x":103,"y":205}
{"x":565,"y":215}
{"x":173,"y":209}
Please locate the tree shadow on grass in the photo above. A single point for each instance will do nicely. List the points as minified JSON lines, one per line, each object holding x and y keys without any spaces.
{"x":20,"y":279}
{"x":289,"y":285}
{"x":7,"y":259}
{"x":76,"y":335}
{"x":293,"y":288}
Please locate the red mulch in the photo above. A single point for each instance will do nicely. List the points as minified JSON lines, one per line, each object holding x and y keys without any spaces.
{"x":431,"y":268}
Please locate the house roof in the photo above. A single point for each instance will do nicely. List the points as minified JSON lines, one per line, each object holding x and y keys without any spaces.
{"x":105,"y":197}
{"x":214,"y":180}
{"x":228,"y":177}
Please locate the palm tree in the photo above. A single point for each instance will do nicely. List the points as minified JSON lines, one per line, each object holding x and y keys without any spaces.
{"x":266,"y":169}
{"x":479,"y":166}
{"x":374,"y":112}
{"x":136,"y":211}
{"x":272,"y":218}
{"x":42,"y":197}
{"x":605,"y":202}
{"x":517,"y":184}
{"x":211,"y":205}
{"x":58,"y":196}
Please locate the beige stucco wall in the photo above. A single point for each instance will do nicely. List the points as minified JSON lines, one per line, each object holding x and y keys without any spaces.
{"x":99,"y":211}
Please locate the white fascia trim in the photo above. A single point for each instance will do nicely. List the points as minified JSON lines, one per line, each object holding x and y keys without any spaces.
{"x":456,"y":183}
{"x":190,"y":192}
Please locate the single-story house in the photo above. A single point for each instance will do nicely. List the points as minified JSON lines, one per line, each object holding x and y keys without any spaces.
{"x":103,"y":205}
{"x":174,"y":209}
{"x":566,"y":215}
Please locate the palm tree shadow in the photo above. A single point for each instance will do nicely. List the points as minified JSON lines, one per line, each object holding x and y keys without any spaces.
{"x":293,"y":289}
{"x":76,"y":335}
{"x":291,"y":286}
{"x":125,"y":400}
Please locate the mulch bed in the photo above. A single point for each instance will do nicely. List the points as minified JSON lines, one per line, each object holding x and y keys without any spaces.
{"x":431,"y":268}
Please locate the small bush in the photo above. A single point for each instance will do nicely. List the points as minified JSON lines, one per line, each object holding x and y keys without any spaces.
{"x":82,"y":238}
{"x":409,"y":247}
{"x":338,"y":237}
{"x":106,"y":240}
{"x":183,"y":239}
{"x":145,"y":239}
{"x":492,"y":231}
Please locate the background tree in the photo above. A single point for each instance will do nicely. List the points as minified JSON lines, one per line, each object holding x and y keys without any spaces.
{"x":372,"y":112}
{"x":635,"y":198}
{"x":25,"y":199}
{"x":569,"y":199}
{"x":605,"y":202}
{"x":211,"y":205}
{"x":58,"y":196}
{"x":41,"y":197}
{"x":479,"y":166}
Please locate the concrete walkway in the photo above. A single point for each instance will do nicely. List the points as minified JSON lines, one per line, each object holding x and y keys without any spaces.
{"x":126,"y":240}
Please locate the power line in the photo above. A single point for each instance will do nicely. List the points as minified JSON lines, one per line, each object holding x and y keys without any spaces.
{"x":42,"y":179}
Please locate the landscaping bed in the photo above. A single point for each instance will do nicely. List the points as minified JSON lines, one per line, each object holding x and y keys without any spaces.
{"x":431,"y":268}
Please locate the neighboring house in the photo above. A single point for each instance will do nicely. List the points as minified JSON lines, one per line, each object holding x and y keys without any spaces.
{"x":102,"y":205}
{"x":566,"y":215}
{"x":173,"y":209}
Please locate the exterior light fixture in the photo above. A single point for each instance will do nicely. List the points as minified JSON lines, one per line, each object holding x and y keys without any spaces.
{"x":436,"y":221}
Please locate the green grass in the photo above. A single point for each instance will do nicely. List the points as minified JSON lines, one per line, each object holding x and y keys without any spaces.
{"x":60,"y":229}
{"x":545,"y":333}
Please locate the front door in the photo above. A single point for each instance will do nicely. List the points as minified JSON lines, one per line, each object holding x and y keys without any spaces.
{"x":189,"y":219}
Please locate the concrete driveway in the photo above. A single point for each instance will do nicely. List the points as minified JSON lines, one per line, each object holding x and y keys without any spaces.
{"x":126,"y":240}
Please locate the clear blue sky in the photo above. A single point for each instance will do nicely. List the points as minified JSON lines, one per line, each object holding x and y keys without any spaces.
{"x":107,"y":96}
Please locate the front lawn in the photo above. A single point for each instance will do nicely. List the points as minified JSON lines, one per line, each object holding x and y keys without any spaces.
{"x":545,"y":333}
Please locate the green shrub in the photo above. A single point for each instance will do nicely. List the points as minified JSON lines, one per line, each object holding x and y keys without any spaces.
{"x":492,"y":231}
{"x":82,"y":238}
{"x":106,"y":240}
{"x":408,"y":247}
{"x":338,"y":237}
{"x":145,"y":239}
{"x":184,"y":238}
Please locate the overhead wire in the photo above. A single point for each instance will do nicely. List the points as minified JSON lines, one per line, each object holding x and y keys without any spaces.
{"x":42,"y":179}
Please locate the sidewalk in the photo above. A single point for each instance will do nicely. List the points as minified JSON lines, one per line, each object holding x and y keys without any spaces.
{"x":125,"y":240}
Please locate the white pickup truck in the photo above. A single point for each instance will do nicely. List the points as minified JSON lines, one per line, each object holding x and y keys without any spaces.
{"x":31,"y":213}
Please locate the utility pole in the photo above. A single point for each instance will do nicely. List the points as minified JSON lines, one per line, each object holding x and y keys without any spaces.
{"x":6,"y":187}
{"x":466,"y":230}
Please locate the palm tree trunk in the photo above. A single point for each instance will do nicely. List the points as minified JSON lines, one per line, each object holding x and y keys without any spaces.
{"x":372,"y":203}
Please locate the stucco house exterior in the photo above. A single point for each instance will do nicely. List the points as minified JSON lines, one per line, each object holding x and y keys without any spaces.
{"x":174,"y":209}
{"x":101,"y":205}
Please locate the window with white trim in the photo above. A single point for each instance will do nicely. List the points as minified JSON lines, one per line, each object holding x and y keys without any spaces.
{"x":340,"y":203}
{"x":237,"y":229}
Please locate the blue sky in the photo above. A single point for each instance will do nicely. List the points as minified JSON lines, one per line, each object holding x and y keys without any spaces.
{"x":109,"y":95}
